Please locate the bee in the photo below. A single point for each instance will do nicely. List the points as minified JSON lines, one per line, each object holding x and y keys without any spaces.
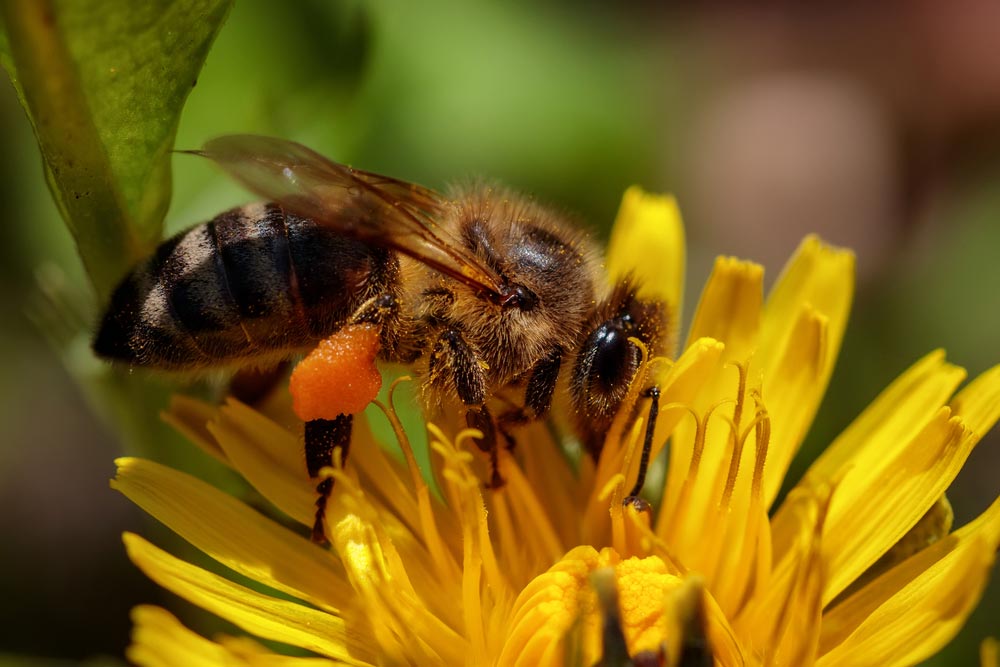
{"x":486,"y":294}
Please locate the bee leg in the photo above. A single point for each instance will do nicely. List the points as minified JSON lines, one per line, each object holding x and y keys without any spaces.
{"x":509,"y":420}
{"x":537,"y":396}
{"x":647,"y":445}
{"x":453,"y":356}
{"x":480,"y":418}
{"x":323,"y":437}
{"x":381,"y":310}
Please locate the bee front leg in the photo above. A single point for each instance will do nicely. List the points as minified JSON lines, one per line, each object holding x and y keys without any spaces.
{"x":537,"y":396}
{"x":480,"y":418}
{"x":453,"y":357}
{"x":324,"y":437}
{"x":653,"y":393}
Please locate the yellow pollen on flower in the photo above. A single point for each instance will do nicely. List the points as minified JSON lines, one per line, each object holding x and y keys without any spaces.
{"x":559,"y":613}
{"x":642,"y":585}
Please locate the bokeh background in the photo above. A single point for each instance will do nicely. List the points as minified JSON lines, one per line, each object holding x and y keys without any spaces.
{"x":876,"y":125}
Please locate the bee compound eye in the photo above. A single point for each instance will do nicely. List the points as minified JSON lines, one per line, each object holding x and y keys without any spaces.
{"x":614,"y":358}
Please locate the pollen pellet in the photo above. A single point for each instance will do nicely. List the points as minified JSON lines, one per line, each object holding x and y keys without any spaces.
{"x":339,"y":377}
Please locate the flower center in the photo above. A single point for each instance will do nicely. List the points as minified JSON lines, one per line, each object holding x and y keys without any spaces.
{"x":595,"y":607}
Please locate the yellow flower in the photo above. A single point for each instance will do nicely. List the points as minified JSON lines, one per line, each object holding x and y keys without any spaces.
{"x":857,"y":566}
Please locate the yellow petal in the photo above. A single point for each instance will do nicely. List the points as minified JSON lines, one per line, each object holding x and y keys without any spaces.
{"x":914,"y":609}
{"x":647,"y":242}
{"x":800,"y":632}
{"x":817,"y":274}
{"x":234,"y":534}
{"x":730,"y":307}
{"x":279,"y":620}
{"x":687,"y":378}
{"x":402,"y":621}
{"x":268,"y":456}
{"x":729,"y":311}
{"x":933,"y":526}
{"x":160,"y":640}
{"x":190,"y":417}
{"x":880,"y":499}
{"x":818,"y":280}
{"x":887,"y":426}
{"x":895,"y":416}
{"x":684,"y":382}
{"x":545,"y":467}
{"x":793,"y":390}
{"x":979,"y":403}
{"x":790,"y":603}
{"x":283,"y":449}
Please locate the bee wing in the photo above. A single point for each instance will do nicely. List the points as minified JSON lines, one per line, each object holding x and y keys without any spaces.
{"x":373,"y":208}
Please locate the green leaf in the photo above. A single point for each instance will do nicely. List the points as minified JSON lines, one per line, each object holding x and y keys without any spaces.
{"x":104,"y":82}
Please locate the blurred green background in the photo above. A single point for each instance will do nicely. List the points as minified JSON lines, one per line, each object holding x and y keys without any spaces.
{"x":876,"y":126}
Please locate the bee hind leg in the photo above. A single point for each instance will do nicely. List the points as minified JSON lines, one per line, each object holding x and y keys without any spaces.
{"x":323,"y":437}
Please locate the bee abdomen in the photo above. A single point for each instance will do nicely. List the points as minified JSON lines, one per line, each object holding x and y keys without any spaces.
{"x":149,"y":321}
{"x":249,"y":285}
{"x":254,"y":276}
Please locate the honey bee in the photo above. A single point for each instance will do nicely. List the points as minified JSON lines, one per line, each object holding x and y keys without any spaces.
{"x":485,"y":293}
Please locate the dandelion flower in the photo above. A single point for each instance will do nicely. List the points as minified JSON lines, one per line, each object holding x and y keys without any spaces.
{"x":858,"y":565}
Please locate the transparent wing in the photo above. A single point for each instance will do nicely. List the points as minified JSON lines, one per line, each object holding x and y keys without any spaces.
{"x":372,"y":208}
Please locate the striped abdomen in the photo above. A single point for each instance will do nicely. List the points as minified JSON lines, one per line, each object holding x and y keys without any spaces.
{"x":253,"y":283}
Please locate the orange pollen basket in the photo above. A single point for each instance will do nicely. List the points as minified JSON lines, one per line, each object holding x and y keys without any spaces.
{"x":339,"y":377}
